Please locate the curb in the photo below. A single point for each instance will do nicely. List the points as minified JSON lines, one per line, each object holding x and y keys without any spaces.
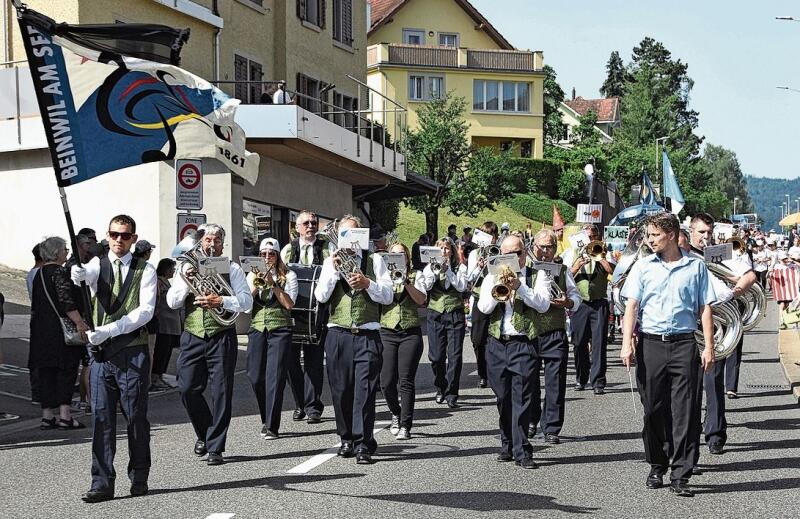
{"x":789,"y":355}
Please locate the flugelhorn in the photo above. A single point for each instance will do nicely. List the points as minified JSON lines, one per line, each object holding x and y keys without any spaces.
{"x":502,"y":291}
{"x":346,"y":262}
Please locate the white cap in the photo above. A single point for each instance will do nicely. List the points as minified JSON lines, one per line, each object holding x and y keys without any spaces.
{"x":782,"y":255}
{"x":268,"y":244}
{"x":506,"y":226}
{"x":770,"y":241}
{"x":794,"y":253}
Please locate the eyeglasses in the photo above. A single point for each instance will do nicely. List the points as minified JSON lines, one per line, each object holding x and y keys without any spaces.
{"x":309,"y":223}
{"x":546,"y":247}
{"x":269,"y":253}
{"x":124,"y":236}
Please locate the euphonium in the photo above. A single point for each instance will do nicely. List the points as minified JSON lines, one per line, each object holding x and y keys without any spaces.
{"x":739,"y":245}
{"x":347,"y":260}
{"x":188,"y":254}
{"x":501,"y":291}
{"x":553,"y":288}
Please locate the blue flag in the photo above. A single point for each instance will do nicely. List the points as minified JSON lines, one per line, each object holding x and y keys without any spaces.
{"x":647,"y":195}
{"x":671,"y":188}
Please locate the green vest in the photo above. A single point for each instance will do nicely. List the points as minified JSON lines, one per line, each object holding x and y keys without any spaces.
{"x":402,"y":313}
{"x":351,"y":309}
{"x":554,"y":318}
{"x":199,"y":321}
{"x":130,"y":303}
{"x":441,"y":300}
{"x":522,"y":318}
{"x":592,"y":286}
{"x":269,"y":315}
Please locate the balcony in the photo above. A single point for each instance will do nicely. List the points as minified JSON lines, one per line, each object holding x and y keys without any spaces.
{"x":445,"y":57}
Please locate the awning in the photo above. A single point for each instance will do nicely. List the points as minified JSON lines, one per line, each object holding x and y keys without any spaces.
{"x":414,"y":185}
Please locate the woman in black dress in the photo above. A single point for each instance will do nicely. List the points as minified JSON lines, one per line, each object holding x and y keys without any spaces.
{"x":57,"y":363}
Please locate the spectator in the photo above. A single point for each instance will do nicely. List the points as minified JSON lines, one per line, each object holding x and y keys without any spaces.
{"x":451,"y":233}
{"x":467,"y":236}
{"x":143,"y":250}
{"x":169,"y":326}
{"x":37,"y":262}
{"x":266,"y":94}
{"x":281,"y":96}
{"x":33,"y":371}
{"x":87,"y":249}
{"x":57,"y":363}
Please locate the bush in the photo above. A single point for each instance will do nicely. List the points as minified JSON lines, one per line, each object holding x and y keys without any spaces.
{"x":540,"y":208}
{"x":385,"y":213}
{"x":572,"y":185}
{"x":539,"y":176}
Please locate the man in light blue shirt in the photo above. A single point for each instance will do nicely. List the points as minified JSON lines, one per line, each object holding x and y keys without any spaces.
{"x":667,"y":292}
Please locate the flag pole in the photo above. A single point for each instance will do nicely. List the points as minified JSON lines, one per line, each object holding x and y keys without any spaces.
{"x":84,"y":289}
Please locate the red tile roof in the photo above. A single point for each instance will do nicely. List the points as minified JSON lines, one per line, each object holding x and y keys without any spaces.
{"x":382,"y":12}
{"x":607,"y":109}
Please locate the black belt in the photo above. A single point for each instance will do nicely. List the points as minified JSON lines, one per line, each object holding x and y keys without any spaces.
{"x":506,"y":338}
{"x":354,"y":330}
{"x":667,"y":337}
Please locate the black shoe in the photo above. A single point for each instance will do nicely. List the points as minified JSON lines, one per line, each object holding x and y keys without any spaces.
{"x":527,"y":463}
{"x":364,"y":458}
{"x":200,"y":448}
{"x":215,"y":458}
{"x":298,"y":415}
{"x":681,"y":489}
{"x":504,"y":457}
{"x":599,"y":390}
{"x":579,"y":386}
{"x":654,"y":481}
{"x":452,"y":403}
{"x":715,"y":448}
{"x":552,"y":438}
{"x":97,"y":496}
{"x":482,"y":384}
{"x":439,"y":398}
{"x":531,"y":430}
{"x":139,"y":489}
{"x":314,"y":418}
{"x":346,"y":450}
{"x":270,"y":435}
{"x":732,"y":395}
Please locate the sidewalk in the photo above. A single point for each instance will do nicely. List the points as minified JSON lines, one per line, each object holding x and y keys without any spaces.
{"x":789,"y":353}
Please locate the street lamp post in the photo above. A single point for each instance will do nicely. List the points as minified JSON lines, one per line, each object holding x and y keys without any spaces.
{"x":589,"y":170}
{"x":734,"y":206}
{"x":658,"y":155}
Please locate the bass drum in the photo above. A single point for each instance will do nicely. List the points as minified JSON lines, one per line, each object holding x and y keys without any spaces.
{"x":309,"y":316}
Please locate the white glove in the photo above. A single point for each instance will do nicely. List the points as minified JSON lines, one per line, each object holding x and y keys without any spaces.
{"x":99,"y":335}
{"x":78,"y":274}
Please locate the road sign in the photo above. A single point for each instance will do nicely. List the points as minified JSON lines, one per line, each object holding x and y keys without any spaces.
{"x":189,"y":184}
{"x":189,"y":222}
{"x":589,"y":213}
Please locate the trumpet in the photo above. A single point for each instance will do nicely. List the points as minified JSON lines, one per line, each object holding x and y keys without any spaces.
{"x":260,"y":282}
{"x":437,"y":267}
{"x":595,"y":250}
{"x":397,"y":275}
{"x":502,"y":291}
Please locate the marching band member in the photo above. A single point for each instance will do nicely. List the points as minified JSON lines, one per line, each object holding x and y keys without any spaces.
{"x":550,"y":343}
{"x":510,"y":354}
{"x":446,"y":322}
{"x":353,"y":344}
{"x":667,"y":292}
{"x":123,"y":299}
{"x":269,"y":345}
{"x":590,"y":320}
{"x":208,"y":350}
{"x":401,"y":337}
{"x":306,"y":380}
{"x":476,"y":268}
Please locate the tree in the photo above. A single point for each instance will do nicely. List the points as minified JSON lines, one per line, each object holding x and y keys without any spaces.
{"x":553,"y":97}
{"x":585,"y":134}
{"x":726,"y":175}
{"x":471,"y":180}
{"x":616,"y":77}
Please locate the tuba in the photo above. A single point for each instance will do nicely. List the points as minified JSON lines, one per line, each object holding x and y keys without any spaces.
{"x":501,"y":291}
{"x":739,"y":245}
{"x":188,"y":254}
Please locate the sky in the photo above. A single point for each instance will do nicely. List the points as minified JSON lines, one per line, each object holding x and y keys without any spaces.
{"x":737,"y":54}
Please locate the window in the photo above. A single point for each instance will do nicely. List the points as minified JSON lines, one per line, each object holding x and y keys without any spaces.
{"x":312,"y":11}
{"x":309,"y":88}
{"x":448,"y":39}
{"x":413,"y":37}
{"x":345,"y":118}
{"x":343,"y":21}
{"x":501,"y":96}
{"x":526,"y":149}
{"x":247,"y":70}
{"x":505,"y":146}
{"x":425,"y":88}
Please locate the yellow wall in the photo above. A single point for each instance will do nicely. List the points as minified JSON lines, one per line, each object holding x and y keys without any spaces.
{"x":437,"y":16}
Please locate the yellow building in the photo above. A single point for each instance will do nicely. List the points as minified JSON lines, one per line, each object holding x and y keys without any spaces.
{"x":420,"y":49}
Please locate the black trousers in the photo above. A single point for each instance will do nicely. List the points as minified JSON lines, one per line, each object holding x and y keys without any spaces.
{"x":479,"y":335}
{"x":354,"y":365}
{"x":402,"y":351}
{"x":268,"y":355}
{"x":163,"y":351}
{"x":57,"y":384}
{"x":732,"y":365}
{"x":552,"y":351}
{"x":668,"y":377}
{"x":509,"y":365}
{"x":306,"y":381}
{"x":715,"y":382}
{"x":590,"y":322}
{"x":120,"y":381}
{"x":208,"y":362}
{"x":445,"y":350}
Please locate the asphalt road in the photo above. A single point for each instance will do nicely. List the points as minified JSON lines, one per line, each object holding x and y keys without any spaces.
{"x":448,"y":469}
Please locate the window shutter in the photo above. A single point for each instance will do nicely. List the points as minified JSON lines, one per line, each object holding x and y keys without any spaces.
{"x":347,"y":22}
{"x":302,"y":89}
{"x":240,"y":74}
{"x":321,"y":14}
{"x":301,"y":9}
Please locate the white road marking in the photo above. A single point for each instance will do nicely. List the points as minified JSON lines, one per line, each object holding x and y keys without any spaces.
{"x":327,"y":454}
{"x":225,"y":515}
{"x":12,"y":395}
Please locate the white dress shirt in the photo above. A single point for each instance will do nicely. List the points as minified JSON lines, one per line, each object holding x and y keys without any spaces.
{"x":537,"y":298}
{"x":291,"y":287}
{"x":241,"y":301}
{"x":380,"y":291}
{"x":740,"y":266}
{"x":458,"y":280}
{"x":140,"y":315}
{"x":306,"y":254}
{"x":473,"y":272}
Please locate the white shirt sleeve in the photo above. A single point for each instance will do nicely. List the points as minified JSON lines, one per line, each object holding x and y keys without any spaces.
{"x":285,"y":252}
{"x":572,"y":291}
{"x":486,"y":303}
{"x":473,"y":272}
{"x":328,"y":277}
{"x":428,"y":278}
{"x":178,"y":291}
{"x":537,"y":297}
{"x":419,"y":283}
{"x":724,"y":293}
{"x":242,"y":300}
{"x":140,"y":315}
{"x":291,"y":288}
{"x":458,"y":279}
{"x":381,"y":290}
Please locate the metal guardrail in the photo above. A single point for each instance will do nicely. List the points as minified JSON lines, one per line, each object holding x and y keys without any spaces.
{"x":433,"y":56}
{"x":18,"y":114}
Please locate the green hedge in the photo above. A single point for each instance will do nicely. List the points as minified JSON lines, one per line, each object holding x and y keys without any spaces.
{"x":540,"y":176}
{"x":540,"y":208}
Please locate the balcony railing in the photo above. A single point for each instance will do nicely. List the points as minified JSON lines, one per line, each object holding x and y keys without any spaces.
{"x":448,"y":57}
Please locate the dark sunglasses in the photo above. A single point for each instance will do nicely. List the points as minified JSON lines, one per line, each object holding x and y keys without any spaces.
{"x":124,"y":236}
